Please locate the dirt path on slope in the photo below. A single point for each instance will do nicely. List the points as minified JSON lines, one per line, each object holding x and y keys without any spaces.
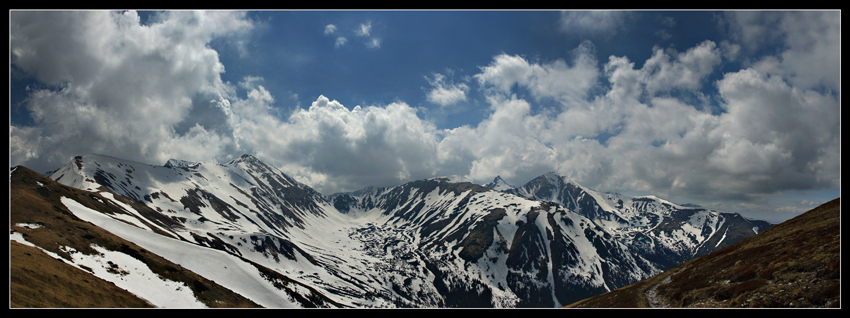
{"x":652,"y":297}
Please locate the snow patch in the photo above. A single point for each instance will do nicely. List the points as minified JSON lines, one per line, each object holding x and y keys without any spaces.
{"x":225,"y":269}
{"x":128,"y":273}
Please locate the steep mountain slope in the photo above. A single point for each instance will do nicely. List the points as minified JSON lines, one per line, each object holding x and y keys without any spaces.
{"x":495,"y":249}
{"x":251,"y":211}
{"x":795,"y":264}
{"x":665,"y":233}
{"x":429,"y":243}
{"x":60,"y":260}
{"x":499,"y":184}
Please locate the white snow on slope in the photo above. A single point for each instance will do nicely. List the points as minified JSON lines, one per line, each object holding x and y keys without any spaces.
{"x":215,"y":265}
{"x":128,"y":273}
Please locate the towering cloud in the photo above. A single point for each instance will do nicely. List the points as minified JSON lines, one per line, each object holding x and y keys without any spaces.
{"x":111,"y":84}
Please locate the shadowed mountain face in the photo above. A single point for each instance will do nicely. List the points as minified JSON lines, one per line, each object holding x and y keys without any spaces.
{"x":795,"y":264}
{"x":429,"y":243}
{"x":663,"y":232}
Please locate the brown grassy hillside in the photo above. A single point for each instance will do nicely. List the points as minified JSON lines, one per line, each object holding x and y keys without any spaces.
{"x":795,"y":264}
{"x":38,"y":280}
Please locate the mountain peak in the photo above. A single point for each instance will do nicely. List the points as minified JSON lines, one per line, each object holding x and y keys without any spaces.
{"x":243,"y":158}
{"x":177,"y":163}
{"x":550,"y":178}
{"x":499,"y":184}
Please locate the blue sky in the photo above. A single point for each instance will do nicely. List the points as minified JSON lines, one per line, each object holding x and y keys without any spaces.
{"x":734,"y":110}
{"x":294,"y":49}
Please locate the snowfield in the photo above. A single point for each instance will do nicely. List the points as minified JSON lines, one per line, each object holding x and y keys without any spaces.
{"x":218,"y":266}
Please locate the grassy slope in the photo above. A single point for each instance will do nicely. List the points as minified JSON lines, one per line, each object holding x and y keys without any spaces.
{"x":793,"y":264}
{"x":38,"y":280}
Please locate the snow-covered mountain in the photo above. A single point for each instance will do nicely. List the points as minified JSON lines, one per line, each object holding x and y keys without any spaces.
{"x":490,"y":248}
{"x":428,"y":243}
{"x":499,"y":184}
{"x":662,"y":231}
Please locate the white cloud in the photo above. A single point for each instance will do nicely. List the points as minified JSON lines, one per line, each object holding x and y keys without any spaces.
{"x":340,"y":41}
{"x":567,"y":84}
{"x":592,"y":22}
{"x":443,"y":93}
{"x":348,"y":149}
{"x":24,"y":143}
{"x":363,"y":29}
{"x":769,"y":137}
{"x":505,"y":143}
{"x":687,"y":71}
{"x":330,"y":29}
{"x":98,"y":62}
{"x":807,"y":39}
{"x":776,"y":124}
{"x":374,"y":43}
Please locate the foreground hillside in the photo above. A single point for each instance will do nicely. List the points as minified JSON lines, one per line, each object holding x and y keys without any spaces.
{"x":59,"y":260}
{"x":795,"y":264}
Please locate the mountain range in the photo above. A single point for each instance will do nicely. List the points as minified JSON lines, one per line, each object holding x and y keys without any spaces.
{"x":243,"y":233}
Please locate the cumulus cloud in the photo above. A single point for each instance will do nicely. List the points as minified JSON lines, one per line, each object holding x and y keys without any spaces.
{"x":557,"y":80}
{"x":773,"y":125}
{"x":770,"y":130}
{"x":445,"y":93}
{"x":504,"y":144}
{"x":98,"y":66}
{"x":686,"y":71}
{"x":334,"y":148}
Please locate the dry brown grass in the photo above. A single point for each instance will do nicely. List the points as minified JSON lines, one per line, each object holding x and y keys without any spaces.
{"x":41,"y":281}
{"x":791,"y":265}
{"x":37,"y":280}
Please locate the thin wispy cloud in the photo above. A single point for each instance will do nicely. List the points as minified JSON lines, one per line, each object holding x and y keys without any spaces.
{"x":374,"y":43}
{"x":363,"y":29}
{"x":593,"y":22}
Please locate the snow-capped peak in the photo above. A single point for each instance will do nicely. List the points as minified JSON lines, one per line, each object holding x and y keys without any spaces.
{"x":499,"y":184}
{"x":177,"y":163}
{"x":243,"y":158}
